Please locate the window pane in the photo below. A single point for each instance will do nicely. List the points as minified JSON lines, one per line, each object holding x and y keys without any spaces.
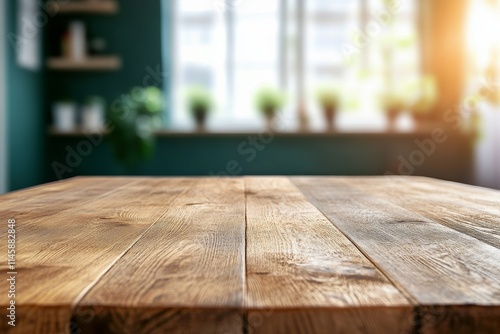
{"x":354,"y":46}
{"x":256,"y":40}
{"x":195,"y":6}
{"x":248,"y":81}
{"x":256,"y":54}
{"x":200,"y":53}
{"x":234,"y":47}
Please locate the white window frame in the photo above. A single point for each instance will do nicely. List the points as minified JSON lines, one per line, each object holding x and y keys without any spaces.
{"x":228,"y":17}
{"x":299,"y":84}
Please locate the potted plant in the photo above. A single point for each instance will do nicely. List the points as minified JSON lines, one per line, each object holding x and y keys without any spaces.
{"x":133,"y":123}
{"x":200,"y":103}
{"x":329,"y":100}
{"x":393,"y":103}
{"x":420,"y":110}
{"x":269,"y":102}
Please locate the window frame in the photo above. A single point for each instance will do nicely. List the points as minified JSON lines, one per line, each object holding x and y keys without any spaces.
{"x":284,"y":51}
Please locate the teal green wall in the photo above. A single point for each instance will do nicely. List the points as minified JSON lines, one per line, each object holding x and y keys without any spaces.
{"x":25,"y":118}
{"x":134,"y":34}
{"x":285,"y":155}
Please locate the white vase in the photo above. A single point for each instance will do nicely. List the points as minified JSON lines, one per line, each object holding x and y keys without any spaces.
{"x":64,"y":114}
{"x":78,"y":40}
{"x":93,"y":117}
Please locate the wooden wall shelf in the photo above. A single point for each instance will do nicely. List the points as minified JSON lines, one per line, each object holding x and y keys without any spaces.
{"x":104,"y":63}
{"x":87,"y":7}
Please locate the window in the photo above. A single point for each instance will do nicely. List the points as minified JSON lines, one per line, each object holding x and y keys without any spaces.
{"x":482,"y":92}
{"x":234,"y":47}
{"x":483,"y":42}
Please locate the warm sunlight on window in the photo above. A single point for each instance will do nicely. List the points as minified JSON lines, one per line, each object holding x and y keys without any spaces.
{"x":483,"y":36}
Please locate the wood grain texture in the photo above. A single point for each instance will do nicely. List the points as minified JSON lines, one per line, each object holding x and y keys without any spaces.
{"x":84,"y":6}
{"x":437,"y":265}
{"x":185,"y":275}
{"x":467,"y":209}
{"x":255,"y":255}
{"x":310,"y":275}
{"x":93,"y":63}
{"x":53,"y":198}
{"x":60,"y":256}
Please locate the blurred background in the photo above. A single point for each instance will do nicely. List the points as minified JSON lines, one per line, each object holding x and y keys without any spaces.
{"x":249,"y":87}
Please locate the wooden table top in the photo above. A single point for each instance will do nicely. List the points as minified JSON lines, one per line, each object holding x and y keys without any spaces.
{"x":253,"y":255}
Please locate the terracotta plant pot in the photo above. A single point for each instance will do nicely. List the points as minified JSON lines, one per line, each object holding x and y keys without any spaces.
{"x":420,"y":118}
{"x":270,"y":116}
{"x":392,"y":117}
{"x":329,"y":113}
{"x":200,"y":116}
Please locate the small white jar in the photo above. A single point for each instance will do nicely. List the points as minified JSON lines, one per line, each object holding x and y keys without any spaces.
{"x":93,"y":115}
{"x":64,"y":116}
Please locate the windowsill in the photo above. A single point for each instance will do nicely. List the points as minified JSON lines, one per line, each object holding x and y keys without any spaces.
{"x":423,"y":130}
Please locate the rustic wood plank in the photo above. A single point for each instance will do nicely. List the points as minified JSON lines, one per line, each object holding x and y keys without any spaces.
{"x":185,"y":275}
{"x":304,"y":274}
{"x":41,"y":191}
{"x":61,"y":256}
{"x":463,"y":208}
{"x":309,"y":276}
{"x":61,"y":195}
{"x":438,"y":266}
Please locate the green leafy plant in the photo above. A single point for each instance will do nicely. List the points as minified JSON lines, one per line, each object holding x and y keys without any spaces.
{"x":328,"y":97}
{"x":426,"y":96}
{"x":133,"y":122}
{"x":200,"y":103}
{"x":422,"y":106}
{"x":269,"y":101}
{"x":329,"y":100}
{"x":393,"y":102}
